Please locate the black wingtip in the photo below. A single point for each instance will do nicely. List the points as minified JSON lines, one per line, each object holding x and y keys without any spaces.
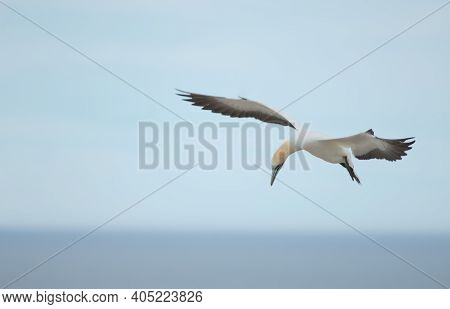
{"x":410,"y":141}
{"x":292,"y":126}
{"x":182,"y":93}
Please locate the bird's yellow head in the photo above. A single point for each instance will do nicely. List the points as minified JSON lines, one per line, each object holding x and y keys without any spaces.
{"x":279,"y":157}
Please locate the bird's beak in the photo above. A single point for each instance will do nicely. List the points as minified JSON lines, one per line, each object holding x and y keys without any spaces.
{"x":275,"y":171}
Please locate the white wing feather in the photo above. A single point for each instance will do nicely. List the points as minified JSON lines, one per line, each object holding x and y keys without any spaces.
{"x":366,"y":146}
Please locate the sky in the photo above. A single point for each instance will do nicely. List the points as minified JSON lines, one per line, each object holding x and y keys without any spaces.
{"x":69,"y":129}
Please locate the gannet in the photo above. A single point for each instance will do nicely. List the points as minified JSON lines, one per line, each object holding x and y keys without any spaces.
{"x":363,"y":146}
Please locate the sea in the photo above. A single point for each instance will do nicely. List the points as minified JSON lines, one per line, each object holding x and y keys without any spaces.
{"x":221,"y":259}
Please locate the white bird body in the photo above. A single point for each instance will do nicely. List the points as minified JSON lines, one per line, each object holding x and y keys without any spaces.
{"x":313,"y":142}
{"x":363,"y":146}
{"x":328,"y":151}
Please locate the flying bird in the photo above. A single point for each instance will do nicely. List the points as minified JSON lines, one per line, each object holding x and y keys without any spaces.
{"x":363,"y":146}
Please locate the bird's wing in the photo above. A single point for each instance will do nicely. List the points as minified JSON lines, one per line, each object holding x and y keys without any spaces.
{"x":241,"y":108}
{"x":366,"y":146}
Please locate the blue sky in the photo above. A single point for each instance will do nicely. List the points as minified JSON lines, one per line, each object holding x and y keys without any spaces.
{"x":69,"y":129}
